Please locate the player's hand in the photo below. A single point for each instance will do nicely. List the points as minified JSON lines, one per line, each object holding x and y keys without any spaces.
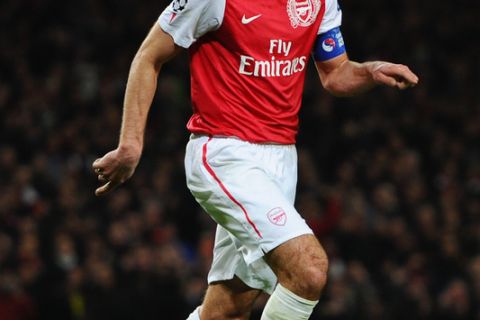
{"x":115,"y":168}
{"x":393,"y":75}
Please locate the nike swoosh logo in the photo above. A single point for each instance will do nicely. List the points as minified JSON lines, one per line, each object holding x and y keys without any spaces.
{"x":246,"y":20}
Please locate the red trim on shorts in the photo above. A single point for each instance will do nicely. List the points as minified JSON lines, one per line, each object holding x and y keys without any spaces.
{"x":212,"y":173}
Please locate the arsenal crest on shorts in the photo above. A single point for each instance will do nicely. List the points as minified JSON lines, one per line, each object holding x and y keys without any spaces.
{"x":303,"y":12}
{"x":277,"y":216}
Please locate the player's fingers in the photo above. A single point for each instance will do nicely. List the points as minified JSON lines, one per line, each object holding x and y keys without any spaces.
{"x":403,"y":84}
{"x":118,"y":177}
{"x":403,"y":72}
{"x":97,"y":164}
{"x":107,"y":187}
{"x":409,"y":78}
{"x":103,"y":189}
{"x":102,"y":178}
{"x":387,"y":80}
{"x":103,"y":166}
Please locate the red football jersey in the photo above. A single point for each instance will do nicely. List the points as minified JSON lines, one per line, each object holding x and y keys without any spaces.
{"x":248,"y":61}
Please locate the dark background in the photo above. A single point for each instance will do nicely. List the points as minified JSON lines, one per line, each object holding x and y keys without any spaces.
{"x":389,"y":181}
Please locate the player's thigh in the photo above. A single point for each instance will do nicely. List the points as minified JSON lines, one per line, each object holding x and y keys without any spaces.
{"x":239,"y":192}
{"x":230,"y":299}
{"x":300,"y":263}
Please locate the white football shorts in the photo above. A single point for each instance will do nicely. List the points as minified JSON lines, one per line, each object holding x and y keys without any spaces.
{"x":249,"y":190}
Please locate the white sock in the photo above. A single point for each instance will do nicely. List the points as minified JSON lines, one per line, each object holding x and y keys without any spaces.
{"x":286,"y":305}
{"x":195,"y":315}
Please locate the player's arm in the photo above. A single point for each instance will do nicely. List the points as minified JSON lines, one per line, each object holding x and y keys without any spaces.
{"x":343,"y":77}
{"x":118,"y":165}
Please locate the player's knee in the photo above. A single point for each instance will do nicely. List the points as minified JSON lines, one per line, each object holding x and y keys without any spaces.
{"x":311,"y":279}
{"x":314,"y":280}
{"x":301,"y":266}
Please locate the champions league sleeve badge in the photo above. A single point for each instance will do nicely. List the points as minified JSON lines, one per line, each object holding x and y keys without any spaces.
{"x":179,"y":5}
{"x":303,"y":12}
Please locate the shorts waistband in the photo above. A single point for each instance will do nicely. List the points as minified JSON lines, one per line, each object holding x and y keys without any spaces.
{"x":196,"y":136}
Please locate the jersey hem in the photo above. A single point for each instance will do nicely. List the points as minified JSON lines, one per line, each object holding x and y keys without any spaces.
{"x":244,"y":139}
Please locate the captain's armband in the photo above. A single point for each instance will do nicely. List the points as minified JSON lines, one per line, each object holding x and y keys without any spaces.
{"x":329,"y":45}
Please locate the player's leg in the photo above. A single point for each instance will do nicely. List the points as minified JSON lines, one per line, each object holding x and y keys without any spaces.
{"x":229,"y":179}
{"x":226,"y":300}
{"x":301,"y":267}
{"x":227,"y":296}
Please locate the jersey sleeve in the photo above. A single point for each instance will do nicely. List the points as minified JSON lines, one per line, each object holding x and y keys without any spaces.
{"x":332,"y":18}
{"x":188,"y":20}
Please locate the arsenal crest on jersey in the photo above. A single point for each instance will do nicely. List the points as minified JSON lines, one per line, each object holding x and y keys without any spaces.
{"x":303,"y":12}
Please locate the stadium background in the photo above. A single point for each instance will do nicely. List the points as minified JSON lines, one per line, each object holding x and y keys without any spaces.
{"x":389,"y":181}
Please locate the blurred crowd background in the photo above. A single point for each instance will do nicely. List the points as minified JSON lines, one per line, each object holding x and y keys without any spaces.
{"x":389,"y":181}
